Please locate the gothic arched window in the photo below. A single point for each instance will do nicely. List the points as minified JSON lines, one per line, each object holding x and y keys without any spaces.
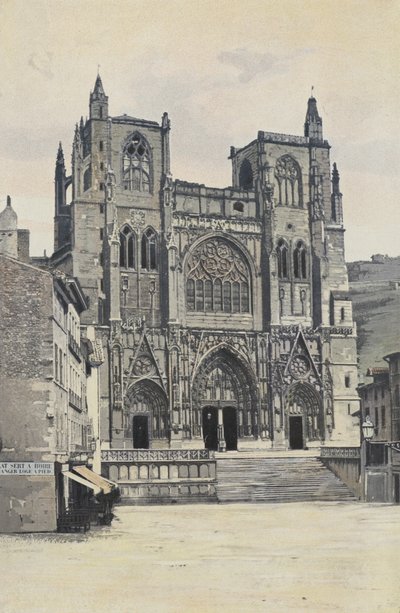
{"x":149,"y":250}
{"x":246,"y":175}
{"x":127,"y":249}
{"x":288,"y":176}
{"x":282,"y":255}
{"x":136,"y":162}
{"x":300,"y":261}
{"x":87,"y":179}
{"x":217,"y":279}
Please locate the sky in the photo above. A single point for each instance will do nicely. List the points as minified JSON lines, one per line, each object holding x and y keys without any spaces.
{"x":223,"y":70}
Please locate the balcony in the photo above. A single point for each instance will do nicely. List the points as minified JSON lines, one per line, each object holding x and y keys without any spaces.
{"x":74,"y":347}
{"x":74,"y":400}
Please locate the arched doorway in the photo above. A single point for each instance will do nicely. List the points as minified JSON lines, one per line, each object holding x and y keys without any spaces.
{"x":146,"y":414}
{"x":224,"y":401}
{"x":304,"y":418}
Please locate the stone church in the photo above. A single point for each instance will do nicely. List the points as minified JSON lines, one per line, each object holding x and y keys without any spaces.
{"x":223,"y":312}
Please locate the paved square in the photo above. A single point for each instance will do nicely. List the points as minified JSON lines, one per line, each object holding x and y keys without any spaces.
{"x":209,"y":558}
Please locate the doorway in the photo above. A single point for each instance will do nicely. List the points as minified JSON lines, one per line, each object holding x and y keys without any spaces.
{"x":230,"y":428}
{"x":210,"y":428}
{"x":140,"y":432}
{"x":296,"y":432}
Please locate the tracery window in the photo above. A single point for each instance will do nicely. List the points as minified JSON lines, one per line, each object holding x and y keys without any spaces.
{"x":136,"y":162}
{"x":288,"y":176}
{"x":217,"y":279}
{"x":127,"y":249}
{"x":282,"y":255}
{"x":300,"y":261}
{"x":149,"y":250}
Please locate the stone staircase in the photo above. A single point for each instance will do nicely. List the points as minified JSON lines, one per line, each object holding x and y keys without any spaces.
{"x":285,"y":477}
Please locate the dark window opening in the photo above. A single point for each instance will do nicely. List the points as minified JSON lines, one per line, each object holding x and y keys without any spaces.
{"x":127,"y":240}
{"x":238,"y":206}
{"x":101,"y":145}
{"x":347,"y":381}
{"x":299,"y":261}
{"x":87,"y":179}
{"x":246,"y":175}
{"x":149,"y":250}
{"x":282,"y":255}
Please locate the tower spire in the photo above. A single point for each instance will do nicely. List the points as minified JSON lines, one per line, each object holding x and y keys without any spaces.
{"x":313,"y":122}
{"x":98,"y":100}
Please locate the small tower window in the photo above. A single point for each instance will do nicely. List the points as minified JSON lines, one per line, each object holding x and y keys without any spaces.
{"x":342,"y":314}
{"x":282,"y":255}
{"x":101,"y":145}
{"x":127,"y":240}
{"x":149,"y":250}
{"x":87,"y":179}
{"x":246,"y":175}
{"x":300,"y":261}
{"x":239,"y":207}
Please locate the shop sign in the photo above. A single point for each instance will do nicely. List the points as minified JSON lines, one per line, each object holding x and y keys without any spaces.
{"x":27,"y":468}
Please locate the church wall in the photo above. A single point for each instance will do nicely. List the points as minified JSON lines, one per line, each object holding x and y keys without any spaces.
{"x":87,"y":255}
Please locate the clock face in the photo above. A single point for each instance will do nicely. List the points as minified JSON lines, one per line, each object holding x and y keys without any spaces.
{"x":300,"y":366}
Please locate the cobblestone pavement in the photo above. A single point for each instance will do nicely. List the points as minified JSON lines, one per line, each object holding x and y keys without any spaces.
{"x":208,"y":558}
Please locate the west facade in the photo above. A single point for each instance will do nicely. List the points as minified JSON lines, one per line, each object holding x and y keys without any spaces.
{"x":223,"y":312}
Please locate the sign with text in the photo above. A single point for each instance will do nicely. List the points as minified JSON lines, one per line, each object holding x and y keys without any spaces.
{"x":27,"y":468}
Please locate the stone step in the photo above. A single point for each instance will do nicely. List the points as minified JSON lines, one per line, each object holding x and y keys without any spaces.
{"x":277,"y":479}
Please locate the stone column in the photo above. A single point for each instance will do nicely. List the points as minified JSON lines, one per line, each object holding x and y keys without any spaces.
{"x":220,"y":431}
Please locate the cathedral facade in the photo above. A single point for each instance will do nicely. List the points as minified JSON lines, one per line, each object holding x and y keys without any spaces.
{"x":223,"y":312}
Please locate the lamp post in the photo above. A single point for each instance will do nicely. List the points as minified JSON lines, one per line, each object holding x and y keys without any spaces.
{"x":367,"y":430}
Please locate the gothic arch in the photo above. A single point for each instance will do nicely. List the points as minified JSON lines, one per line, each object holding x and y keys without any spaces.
{"x":289,"y":180}
{"x":246,"y":178}
{"x":304,"y":400}
{"x":145,"y":397}
{"x":137,"y":164}
{"x":224,"y":376}
{"x":218,"y":275}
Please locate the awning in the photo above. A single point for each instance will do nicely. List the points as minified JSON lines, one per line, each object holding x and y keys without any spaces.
{"x":104,"y":484}
{"x":78,"y":479}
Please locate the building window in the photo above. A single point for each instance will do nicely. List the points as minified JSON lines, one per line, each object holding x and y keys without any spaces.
{"x":282,"y":255}
{"x":101,"y":146}
{"x":217,"y":279}
{"x":376,"y":418}
{"x":149,"y":250}
{"x":347,"y":380}
{"x":101,"y":234}
{"x":102,"y":187}
{"x":127,"y":240}
{"x":56,"y":362}
{"x":383,"y":417}
{"x":136,"y":161}
{"x":300,"y":261}
{"x":342,"y":314}
{"x":239,"y":207}
{"x":288,"y":177}
{"x":101,"y":165}
{"x":87,"y":179}
{"x":246,"y":175}
{"x":60,"y":355}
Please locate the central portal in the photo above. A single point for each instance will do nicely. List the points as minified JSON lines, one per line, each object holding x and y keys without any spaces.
{"x":296,"y":432}
{"x":140,"y":432}
{"x":220,"y":428}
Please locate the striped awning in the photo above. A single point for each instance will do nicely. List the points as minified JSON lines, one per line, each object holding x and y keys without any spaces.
{"x":105,"y":485}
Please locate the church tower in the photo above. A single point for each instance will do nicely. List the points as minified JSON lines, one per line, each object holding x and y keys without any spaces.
{"x":224,"y":312}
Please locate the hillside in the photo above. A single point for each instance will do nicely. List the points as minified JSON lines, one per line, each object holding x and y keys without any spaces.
{"x":375,"y":291}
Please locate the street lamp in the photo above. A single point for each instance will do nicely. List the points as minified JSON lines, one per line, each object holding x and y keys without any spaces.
{"x":368,"y":429}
